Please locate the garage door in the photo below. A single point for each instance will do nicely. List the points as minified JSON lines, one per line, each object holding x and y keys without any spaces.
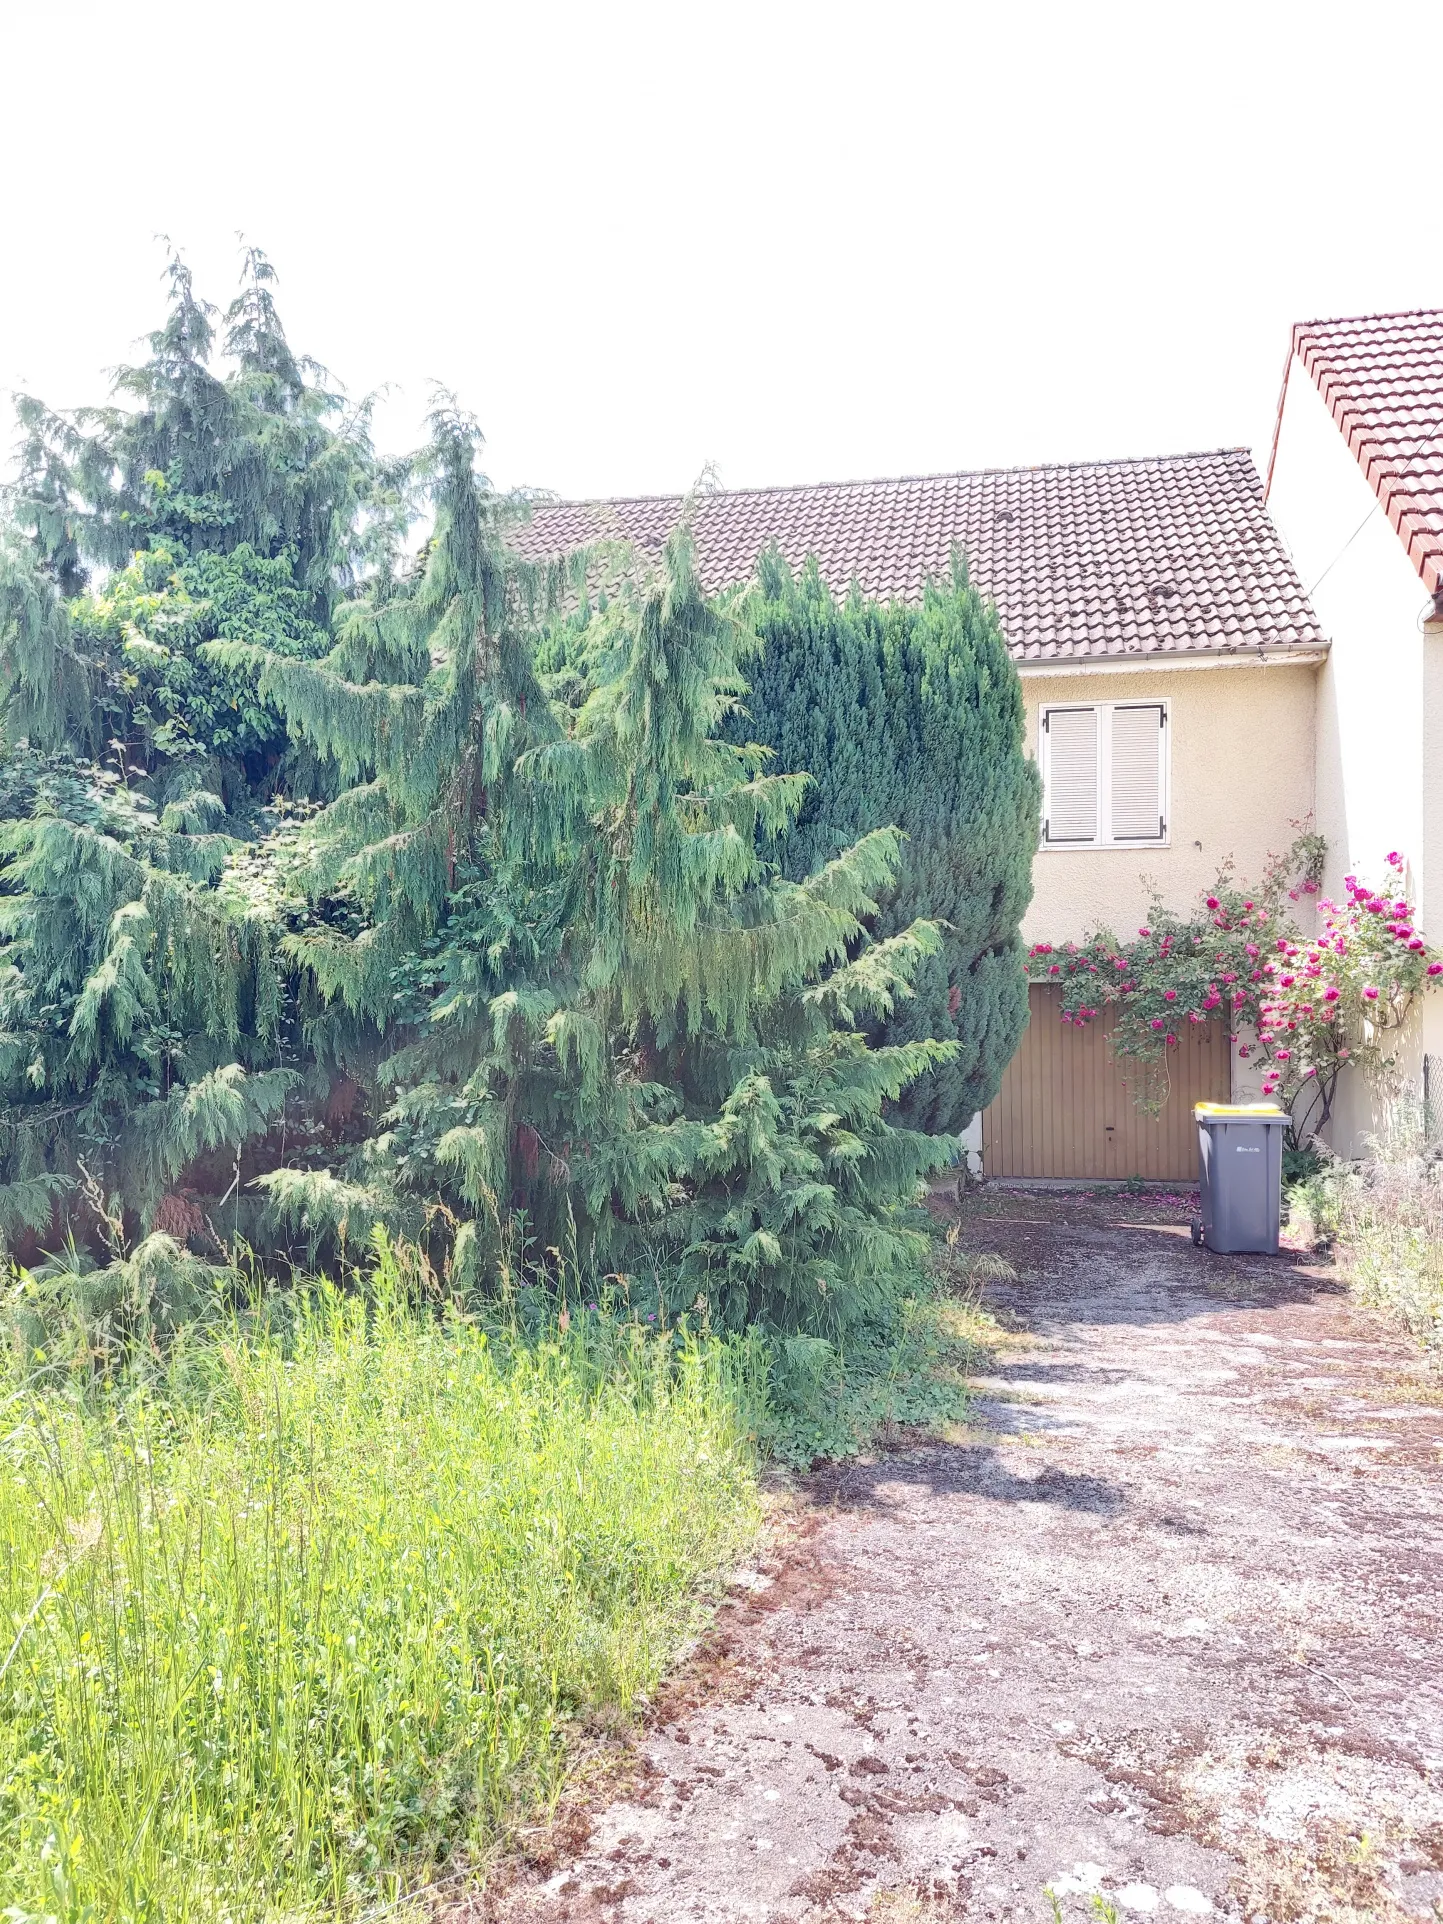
{"x":1065,"y":1108}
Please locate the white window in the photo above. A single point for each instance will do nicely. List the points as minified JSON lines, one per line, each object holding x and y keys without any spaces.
{"x":1104,"y":774}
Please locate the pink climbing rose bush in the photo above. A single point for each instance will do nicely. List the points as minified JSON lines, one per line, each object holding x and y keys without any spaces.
{"x":1306,"y":1000}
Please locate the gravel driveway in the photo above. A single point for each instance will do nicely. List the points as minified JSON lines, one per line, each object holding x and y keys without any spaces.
{"x":1162,"y":1626}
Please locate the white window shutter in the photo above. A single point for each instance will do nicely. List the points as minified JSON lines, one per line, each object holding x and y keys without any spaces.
{"x":1071,"y":775}
{"x":1137,"y":809}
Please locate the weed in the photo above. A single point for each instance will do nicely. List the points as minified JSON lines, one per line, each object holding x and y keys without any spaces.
{"x":907,"y":1368}
{"x":292,"y":1622}
{"x":1385,"y":1219}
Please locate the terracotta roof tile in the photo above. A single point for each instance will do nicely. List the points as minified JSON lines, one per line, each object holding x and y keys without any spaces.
{"x":1382,"y":378}
{"x":1115,"y":558}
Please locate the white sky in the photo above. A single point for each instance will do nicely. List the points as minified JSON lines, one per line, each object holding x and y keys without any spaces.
{"x":803,"y":241}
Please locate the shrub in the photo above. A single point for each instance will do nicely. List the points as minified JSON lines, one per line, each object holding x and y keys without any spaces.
{"x":1315,"y":1004}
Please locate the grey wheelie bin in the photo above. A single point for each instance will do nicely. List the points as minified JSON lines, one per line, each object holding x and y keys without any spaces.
{"x":1240,"y":1176}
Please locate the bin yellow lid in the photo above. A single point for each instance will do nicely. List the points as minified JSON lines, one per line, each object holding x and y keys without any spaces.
{"x":1239,"y":1109}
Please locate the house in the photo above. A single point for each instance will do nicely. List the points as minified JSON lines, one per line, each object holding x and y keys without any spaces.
{"x":1355,"y":486}
{"x":1169,"y":658}
{"x":1207,"y":663}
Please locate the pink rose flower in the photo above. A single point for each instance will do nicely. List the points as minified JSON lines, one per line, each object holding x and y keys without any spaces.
{"x":1371,"y":994}
{"x":1169,"y":995}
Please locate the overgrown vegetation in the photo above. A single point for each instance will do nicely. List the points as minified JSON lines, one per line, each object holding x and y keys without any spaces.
{"x":305,"y":1607}
{"x":440,"y":1144}
{"x":324,"y":912}
{"x":1383,"y":1219}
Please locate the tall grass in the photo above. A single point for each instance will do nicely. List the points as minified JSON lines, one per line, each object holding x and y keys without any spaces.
{"x":299,"y":1617}
{"x":1385,"y":1218}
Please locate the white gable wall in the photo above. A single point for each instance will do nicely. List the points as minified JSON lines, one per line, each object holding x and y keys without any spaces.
{"x":1379,"y":768}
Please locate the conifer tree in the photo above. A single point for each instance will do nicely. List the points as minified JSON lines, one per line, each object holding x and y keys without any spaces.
{"x":142,"y":1016}
{"x":912,"y":716}
{"x":276,"y":805}
{"x":639,"y":1045}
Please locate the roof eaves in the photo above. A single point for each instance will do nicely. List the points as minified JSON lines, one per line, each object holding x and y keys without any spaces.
{"x":1336,"y":365}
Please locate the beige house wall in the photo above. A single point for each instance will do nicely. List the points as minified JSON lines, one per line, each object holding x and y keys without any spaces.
{"x":1241,"y":773}
{"x":1361,"y":1112}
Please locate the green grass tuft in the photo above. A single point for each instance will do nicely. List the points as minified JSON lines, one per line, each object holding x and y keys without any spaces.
{"x":295,"y":1621}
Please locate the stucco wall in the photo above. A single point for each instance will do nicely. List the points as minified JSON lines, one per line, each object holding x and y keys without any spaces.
{"x":1373,"y":718}
{"x":1379,"y":775}
{"x":1241,"y":750}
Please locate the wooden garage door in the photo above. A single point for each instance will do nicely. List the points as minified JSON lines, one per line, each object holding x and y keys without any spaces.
{"x":1064,"y":1108}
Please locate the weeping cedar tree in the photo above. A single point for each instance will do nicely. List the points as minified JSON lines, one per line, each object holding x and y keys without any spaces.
{"x":911,"y":716}
{"x":142,"y":1015}
{"x":269,"y":797}
{"x":634,"y":1045}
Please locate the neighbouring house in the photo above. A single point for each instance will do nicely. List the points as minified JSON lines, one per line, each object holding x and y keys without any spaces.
{"x":1208,"y":664}
{"x":1355,"y":486}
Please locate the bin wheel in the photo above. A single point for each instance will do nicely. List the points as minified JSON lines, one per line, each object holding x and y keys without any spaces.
{"x":1197,"y":1232}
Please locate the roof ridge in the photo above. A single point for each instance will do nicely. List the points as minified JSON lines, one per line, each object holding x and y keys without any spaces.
{"x":898,"y":480}
{"x":1354,"y":320}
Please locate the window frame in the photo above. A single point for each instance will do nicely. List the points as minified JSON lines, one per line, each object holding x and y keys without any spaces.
{"x":1105,"y":710}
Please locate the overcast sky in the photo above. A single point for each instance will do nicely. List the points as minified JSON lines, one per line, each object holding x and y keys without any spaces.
{"x":800,"y":241}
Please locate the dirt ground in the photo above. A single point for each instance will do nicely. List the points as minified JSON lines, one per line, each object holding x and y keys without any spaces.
{"x":1161,"y":1628}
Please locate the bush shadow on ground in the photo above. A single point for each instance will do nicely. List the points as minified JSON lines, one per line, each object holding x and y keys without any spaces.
{"x":955,"y":1469}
